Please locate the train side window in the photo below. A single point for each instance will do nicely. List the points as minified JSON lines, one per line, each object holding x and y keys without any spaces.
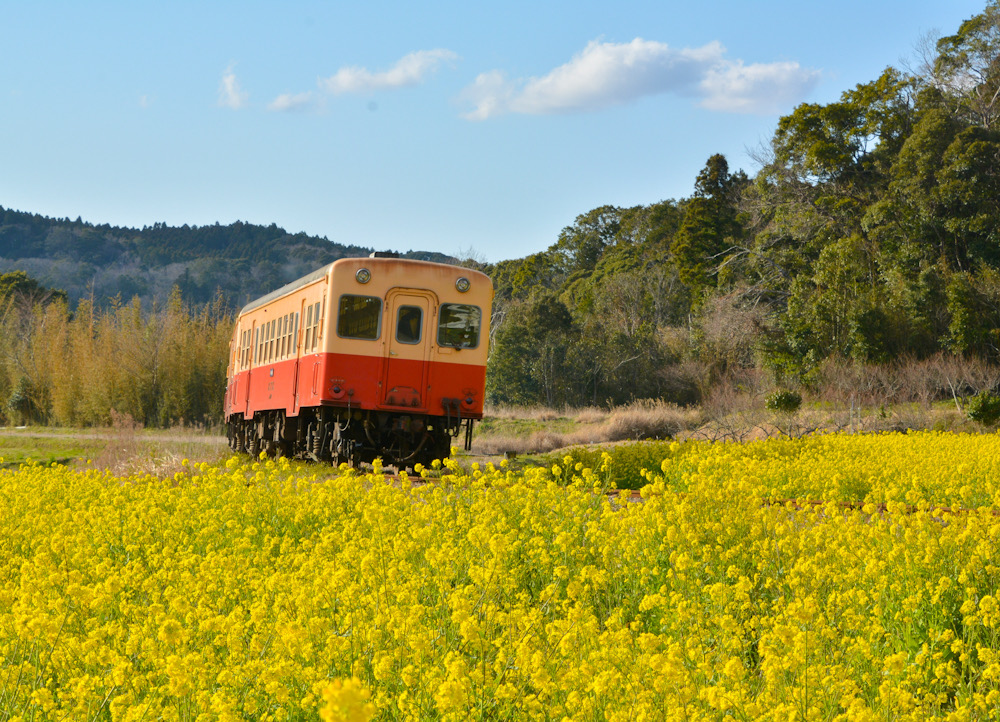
{"x":284,"y":335}
{"x":316,"y":325}
{"x":458,"y":325}
{"x":270,"y":341}
{"x":307,"y":347}
{"x":409,"y":324}
{"x":359,"y":317}
{"x":295,"y":334}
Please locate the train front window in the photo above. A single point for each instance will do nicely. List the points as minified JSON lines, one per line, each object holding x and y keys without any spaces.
{"x":359,"y":317}
{"x":409,"y":323}
{"x":458,"y":325}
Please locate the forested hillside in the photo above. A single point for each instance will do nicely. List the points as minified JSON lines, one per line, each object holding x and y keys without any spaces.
{"x":870,"y":234}
{"x":240,"y":261}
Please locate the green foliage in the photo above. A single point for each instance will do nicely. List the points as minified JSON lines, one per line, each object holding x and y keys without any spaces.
{"x":20,"y":404}
{"x":966,"y":70}
{"x":784,"y":402}
{"x":19,"y":287}
{"x":969,"y":329}
{"x":984,"y":408}
{"x":528,"y":362}
{"x":627,"y":462}
{"x":709,"y":226}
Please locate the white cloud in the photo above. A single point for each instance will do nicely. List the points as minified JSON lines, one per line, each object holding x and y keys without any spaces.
{"x":231,"y":95}
{"x":770,"y":88}
{"x":608,"y":74}
{"x":145,"y":101}
{"x":409,"y":70}
{"x":293,"y":101}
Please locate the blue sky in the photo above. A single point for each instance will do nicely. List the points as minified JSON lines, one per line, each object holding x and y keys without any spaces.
{"x":447,"y":126}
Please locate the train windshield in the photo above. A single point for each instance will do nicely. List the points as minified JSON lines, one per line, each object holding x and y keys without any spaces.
{"x":458,"y":325}
{"x":359,"y":317}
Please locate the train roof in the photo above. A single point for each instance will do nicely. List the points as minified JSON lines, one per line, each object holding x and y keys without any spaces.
{"x":321,"y":272}
{"x":287,"y":288}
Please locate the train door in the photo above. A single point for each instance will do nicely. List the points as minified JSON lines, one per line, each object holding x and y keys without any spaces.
{"x":408,"y":348}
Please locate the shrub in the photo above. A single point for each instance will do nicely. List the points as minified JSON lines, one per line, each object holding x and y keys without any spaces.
{"x":786,"y":402}
{"x":984,"y":408}
{"x":627,"y":461}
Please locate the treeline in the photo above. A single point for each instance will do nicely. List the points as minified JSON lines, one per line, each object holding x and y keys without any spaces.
{"x":870,"y":234}
{"x":240,"y":261}
{"x":162,"y":366}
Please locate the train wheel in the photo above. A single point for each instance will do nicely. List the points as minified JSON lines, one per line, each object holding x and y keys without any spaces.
{"x":254,"y":447}
{"x":439,"y":448}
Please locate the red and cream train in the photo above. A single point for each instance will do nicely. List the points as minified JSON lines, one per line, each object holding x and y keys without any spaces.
{"x":363,"y":358}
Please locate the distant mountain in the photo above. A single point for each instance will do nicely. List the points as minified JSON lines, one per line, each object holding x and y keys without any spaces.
{"x":241,"y":261}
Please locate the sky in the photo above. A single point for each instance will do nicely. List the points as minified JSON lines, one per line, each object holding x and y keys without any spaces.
{"x":466,"y":128}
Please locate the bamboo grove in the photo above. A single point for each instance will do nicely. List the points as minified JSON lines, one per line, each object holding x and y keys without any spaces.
{"x":76,"y":367}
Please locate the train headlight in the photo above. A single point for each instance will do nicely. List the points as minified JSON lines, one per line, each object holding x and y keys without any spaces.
{"x":363,"y":275}
{"x":463,"y":284}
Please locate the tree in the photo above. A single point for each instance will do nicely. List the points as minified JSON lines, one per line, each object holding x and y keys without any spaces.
{"x":528,"y":362}
{"x":19,"y":287}
{"x":580,"y":246}
{"x":710,"y":225}
{"x":967,"y":68}
{"x":843,"y":150}
{"x":941,"y":202}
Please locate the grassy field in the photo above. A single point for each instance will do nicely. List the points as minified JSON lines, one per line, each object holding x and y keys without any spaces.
{"x":128,"y":447}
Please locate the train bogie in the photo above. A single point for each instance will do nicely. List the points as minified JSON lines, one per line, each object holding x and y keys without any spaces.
{"x":364,"y":358}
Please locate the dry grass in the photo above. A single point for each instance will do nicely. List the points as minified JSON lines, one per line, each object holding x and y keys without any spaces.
{"x":731,"y":412}
{"x":122,"y":447}
{"x":650,"y":419}
{"x":590,"y":415}
{"x":128,"y":451}
{"x":530,"y":413}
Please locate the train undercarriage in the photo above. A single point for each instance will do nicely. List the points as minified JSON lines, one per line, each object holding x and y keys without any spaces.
{"x":348,"y":436}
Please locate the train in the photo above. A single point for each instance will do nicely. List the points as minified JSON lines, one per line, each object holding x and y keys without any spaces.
{"x":364,"y":358}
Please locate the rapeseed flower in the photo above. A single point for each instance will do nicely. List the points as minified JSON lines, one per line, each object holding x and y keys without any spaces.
{"x":824,"y":578}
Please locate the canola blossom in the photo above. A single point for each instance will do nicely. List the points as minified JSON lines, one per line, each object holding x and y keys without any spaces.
{"x":265,"y":590}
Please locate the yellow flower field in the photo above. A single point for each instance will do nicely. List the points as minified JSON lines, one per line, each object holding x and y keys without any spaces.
{"x":264,"y":590}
